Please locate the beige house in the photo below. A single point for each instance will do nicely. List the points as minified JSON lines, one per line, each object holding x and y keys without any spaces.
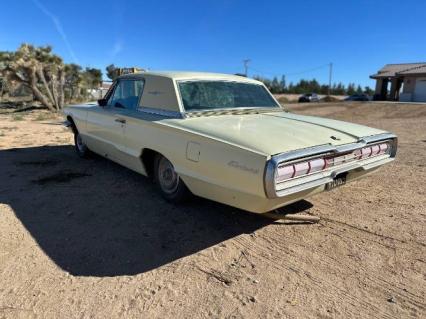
{"x":404,"y":82}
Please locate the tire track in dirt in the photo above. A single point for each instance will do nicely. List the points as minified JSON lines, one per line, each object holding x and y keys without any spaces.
{"x":262,"y":253}
{"x":354,"y":238}
{"x":371,"y":232}
{"x":382,"y":281}
{"x":275,"y":249}
{"x":347,"y":239}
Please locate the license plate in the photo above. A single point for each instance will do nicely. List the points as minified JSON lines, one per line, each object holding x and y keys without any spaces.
{"x":337,"y":182}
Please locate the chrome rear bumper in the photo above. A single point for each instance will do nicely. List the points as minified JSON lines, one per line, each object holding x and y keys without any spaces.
{"x":306,"y":184}
{"x":274,"y":190}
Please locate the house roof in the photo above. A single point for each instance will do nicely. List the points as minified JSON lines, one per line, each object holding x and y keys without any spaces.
{"x":416,"y":70}
{"x":392,"y":70}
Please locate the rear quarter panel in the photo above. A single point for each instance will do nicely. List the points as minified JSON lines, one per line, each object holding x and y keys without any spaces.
{"x":219,"y":163}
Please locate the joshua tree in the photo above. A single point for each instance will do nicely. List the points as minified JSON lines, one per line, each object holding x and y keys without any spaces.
{"x":41,"y":71}
{"x":51,"y":81}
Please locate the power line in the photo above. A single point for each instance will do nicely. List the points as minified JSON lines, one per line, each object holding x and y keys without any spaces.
{"x":294,"y":73}
{"x":308,"y":70}
{"x":263,"y":72}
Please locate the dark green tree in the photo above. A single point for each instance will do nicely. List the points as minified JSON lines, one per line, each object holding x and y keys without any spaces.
{"x":112,"y":72}
{"x":275,"y":86}
{"x":92,"y":78}
{"x":368,"y":90}
{"x":339,"y":89}
{"x":351,"y":89}
{"x":72,"y":81}
{"x":283,"y":84}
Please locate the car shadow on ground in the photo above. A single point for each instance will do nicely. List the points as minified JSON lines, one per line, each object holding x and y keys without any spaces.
{"x":96,"y":218}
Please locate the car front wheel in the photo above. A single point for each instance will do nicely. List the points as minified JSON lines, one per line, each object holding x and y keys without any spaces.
{"x":168,"y":181}
{"x":80,"y":147}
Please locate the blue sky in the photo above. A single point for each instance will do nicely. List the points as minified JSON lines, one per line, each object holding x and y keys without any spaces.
{"x":280,"y":37}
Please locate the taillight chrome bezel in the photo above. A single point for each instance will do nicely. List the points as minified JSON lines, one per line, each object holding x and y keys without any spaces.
{"x":303,"y":167}
{"x":353,"y":151}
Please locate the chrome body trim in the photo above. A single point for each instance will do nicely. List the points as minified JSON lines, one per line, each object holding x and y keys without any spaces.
{"x":305,"y":183}
{"x":322,"y":180}
{"x":304,"y":186}
{"x":232,"y":111}
{"x":160,"y":112}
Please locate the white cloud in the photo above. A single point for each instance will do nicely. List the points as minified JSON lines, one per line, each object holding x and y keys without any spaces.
{"x":59,"y":28}
{"x":116,"y":49}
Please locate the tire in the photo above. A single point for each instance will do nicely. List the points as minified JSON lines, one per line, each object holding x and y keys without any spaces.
{"x":80,"y":148}
{"x":168,"y":182}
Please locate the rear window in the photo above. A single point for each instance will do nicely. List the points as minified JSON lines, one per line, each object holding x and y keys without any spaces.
{"x":205,"y":95}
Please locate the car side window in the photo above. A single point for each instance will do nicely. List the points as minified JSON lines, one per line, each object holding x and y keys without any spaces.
{"x":126,"y":94}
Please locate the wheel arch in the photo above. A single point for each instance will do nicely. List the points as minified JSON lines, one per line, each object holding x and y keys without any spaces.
{"x":148,"y":157}
{"x":72,"y":124}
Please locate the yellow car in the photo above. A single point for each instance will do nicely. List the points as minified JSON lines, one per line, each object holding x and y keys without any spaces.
{"x":225,"y":138}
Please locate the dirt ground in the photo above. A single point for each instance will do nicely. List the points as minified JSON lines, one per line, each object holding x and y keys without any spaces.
{"x":89,"y":238}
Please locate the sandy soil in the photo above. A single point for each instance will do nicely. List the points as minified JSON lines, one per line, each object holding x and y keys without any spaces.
{"x":88,"y":238}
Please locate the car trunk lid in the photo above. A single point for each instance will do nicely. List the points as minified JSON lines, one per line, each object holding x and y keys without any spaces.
{"x":276,"y":132}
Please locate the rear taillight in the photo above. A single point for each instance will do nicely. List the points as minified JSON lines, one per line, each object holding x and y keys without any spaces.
{"x":384,"y":148}
{"x":317,"y":165}
{"x":285,"y":172}
{"x":289,"y":171}
{"x":377,"y":149}
{"x":301,"y":168}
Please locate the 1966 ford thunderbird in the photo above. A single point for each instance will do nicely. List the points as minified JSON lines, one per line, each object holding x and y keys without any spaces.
{"x":225,"y":138}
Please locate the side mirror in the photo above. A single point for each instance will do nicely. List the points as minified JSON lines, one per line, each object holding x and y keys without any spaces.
{"x":102,"y":102}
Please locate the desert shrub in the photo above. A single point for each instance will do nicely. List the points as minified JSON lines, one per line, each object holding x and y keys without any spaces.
{"x":329,"y":98}
{"x":283,"y":99}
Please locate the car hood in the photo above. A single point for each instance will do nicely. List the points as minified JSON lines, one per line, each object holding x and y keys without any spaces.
{"x":276,"y":132}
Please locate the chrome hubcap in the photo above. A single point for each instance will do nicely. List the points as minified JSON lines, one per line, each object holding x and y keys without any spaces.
{"x":80,"y":144}
{"x":167,"y":176}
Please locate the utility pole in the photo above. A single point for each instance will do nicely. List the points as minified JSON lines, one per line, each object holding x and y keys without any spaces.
{"x":329,"y":78}
{"x":246,"y":62}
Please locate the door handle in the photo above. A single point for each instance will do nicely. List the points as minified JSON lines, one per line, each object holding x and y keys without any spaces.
{"x":122,"y":121}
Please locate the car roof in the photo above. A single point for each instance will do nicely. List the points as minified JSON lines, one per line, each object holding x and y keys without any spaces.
{"x":183,"y":75}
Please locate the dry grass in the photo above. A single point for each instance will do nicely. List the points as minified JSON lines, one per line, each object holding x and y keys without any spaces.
{"x":328,"y":99}
{"x":44,"y":116}
{"x":17,"y":117}
{"x":283,"y":99}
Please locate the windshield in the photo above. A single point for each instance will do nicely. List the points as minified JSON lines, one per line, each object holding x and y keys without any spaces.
{"x":201,"y":95}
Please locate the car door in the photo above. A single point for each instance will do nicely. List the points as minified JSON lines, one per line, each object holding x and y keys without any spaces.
{"x":106,"y":125}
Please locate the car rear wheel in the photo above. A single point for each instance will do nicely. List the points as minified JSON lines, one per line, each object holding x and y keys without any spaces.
{"x":168,"y":181}
{"x":80,"y":147}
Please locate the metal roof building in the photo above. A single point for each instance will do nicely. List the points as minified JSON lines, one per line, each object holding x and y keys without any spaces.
{"x":407,"y":82}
